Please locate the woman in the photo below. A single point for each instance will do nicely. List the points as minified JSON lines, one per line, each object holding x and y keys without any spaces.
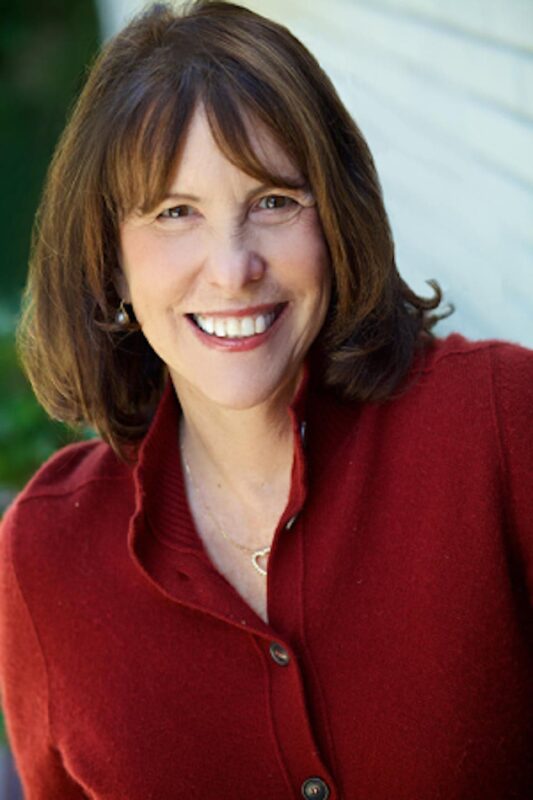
{"x":297,"y":563}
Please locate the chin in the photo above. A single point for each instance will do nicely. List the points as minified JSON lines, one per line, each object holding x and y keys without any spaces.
{"x":241,"y":398}
{"x":238,"y":392}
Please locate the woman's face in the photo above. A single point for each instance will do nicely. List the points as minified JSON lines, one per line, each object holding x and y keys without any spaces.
{"x":229,"y":279}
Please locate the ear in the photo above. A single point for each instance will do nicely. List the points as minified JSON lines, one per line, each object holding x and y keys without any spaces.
{"x":121,"y":285}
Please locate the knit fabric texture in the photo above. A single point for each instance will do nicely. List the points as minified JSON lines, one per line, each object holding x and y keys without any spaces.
{"x":399,"y":587}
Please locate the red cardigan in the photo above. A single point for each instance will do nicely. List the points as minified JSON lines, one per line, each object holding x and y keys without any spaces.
{"x":397,"y":662}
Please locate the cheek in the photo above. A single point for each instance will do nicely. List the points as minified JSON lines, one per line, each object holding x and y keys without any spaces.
{"x":157,"y":271}
{"x":312,"y":240}
{"x":314,"y":261}
{"x":322,"y":261}
{"x":316,"y":277}
{"x":302,"y":251}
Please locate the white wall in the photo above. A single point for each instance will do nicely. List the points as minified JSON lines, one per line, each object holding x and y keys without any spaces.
{"x":114,"y":14}
{"x":444,"y":94}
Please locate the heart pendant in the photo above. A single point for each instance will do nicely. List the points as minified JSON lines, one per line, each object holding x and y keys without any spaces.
{"x":264,"y":553}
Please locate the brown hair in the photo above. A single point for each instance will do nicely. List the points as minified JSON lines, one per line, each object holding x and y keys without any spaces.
{"x":118,"y":151}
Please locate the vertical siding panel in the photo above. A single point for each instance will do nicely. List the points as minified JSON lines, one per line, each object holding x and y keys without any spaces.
{"x":444,"y":94}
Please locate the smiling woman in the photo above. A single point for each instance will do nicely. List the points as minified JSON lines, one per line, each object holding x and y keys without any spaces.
{"x":242,"y":272}
{"x":119,"y":156}
{"x":297,"y":562}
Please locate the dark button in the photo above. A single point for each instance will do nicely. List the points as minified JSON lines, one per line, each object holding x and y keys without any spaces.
{"x":303,"y":426}
{"x":279,"y":654}
{"x":315,"y":788}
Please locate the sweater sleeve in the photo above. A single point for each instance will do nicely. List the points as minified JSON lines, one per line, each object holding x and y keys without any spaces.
{"x":513,"y":407}
{"x":23,"y":688}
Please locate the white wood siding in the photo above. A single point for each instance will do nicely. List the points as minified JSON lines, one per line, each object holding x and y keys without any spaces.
{"x":443,"y":91}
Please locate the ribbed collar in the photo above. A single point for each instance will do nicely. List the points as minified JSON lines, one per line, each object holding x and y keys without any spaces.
{"x":159,"y":481}
{"x":162,"y":508}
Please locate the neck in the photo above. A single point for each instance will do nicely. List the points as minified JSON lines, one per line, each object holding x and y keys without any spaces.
{"x":249,"y":451}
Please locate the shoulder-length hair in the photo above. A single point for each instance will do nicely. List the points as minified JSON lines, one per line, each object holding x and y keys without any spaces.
{"x":118,"y":152}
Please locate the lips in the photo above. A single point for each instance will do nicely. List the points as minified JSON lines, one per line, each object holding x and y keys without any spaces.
{"x":238,"y":325}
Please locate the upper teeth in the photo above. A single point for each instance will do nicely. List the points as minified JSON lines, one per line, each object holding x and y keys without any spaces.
{"x":235,"y":327}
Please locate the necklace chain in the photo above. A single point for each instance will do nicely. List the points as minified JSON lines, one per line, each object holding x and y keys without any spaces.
{"x":255,"y":555}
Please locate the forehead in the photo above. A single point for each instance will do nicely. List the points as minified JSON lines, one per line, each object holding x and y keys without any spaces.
{"x":152,"y":158}
{"x":204,"y":148}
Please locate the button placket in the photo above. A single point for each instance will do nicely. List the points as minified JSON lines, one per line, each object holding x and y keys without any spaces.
{"x":291,"y":724}
{"x":290,"y":715}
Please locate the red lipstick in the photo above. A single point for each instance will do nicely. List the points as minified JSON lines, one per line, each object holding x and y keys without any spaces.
{"x":242,"y":343}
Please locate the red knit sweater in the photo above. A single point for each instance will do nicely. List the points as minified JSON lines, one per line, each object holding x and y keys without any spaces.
{"x":399,"y":601}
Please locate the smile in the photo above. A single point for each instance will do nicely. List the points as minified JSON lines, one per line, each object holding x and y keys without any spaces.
{"x":236,"y":327}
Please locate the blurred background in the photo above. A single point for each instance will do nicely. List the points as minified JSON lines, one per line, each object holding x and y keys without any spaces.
{"x":443,"y":93}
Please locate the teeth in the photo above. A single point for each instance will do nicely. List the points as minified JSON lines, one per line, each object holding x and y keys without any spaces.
{"x":234,"y":327}
{"x":209,"y":325}
{"x":220,"y":328}
{"x":247,"y":326}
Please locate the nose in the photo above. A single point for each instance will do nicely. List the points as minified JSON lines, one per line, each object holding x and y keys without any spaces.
{"x":232,"y":263}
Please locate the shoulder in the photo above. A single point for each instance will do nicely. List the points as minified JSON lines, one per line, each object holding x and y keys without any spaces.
{"x":478,"y":394}
{"x":462,"y":393}
{"x":460,"y":351}
{"x":72,"y":487}
{"x":73,"y":469}
{"x":453,"y":382}
{"x":489,"y":367}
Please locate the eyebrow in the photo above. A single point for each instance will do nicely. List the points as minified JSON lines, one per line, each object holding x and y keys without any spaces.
{"x":294,"y":185}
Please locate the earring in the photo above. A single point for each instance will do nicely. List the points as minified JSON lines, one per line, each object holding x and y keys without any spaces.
{"x":122,"y":317}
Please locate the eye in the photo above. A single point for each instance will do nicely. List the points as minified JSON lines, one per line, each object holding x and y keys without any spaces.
{"x":176,"y":212}
{"x":272,"y":202}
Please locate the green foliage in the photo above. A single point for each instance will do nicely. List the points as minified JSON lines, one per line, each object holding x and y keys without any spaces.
{"x":44,"y":48}
{"x":43,"y":52}
{"x":28,"y":436}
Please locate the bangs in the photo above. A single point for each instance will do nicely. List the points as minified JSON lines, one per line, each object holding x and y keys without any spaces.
{"x":232,"y":117}
{"x":145,"y":145}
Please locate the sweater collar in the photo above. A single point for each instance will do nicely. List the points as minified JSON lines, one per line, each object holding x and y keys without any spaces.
{"x":158,"y":473}
{"x":162,"y":510}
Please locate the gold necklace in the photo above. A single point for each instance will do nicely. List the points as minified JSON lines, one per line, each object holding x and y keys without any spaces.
{"x":255,"y":555}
